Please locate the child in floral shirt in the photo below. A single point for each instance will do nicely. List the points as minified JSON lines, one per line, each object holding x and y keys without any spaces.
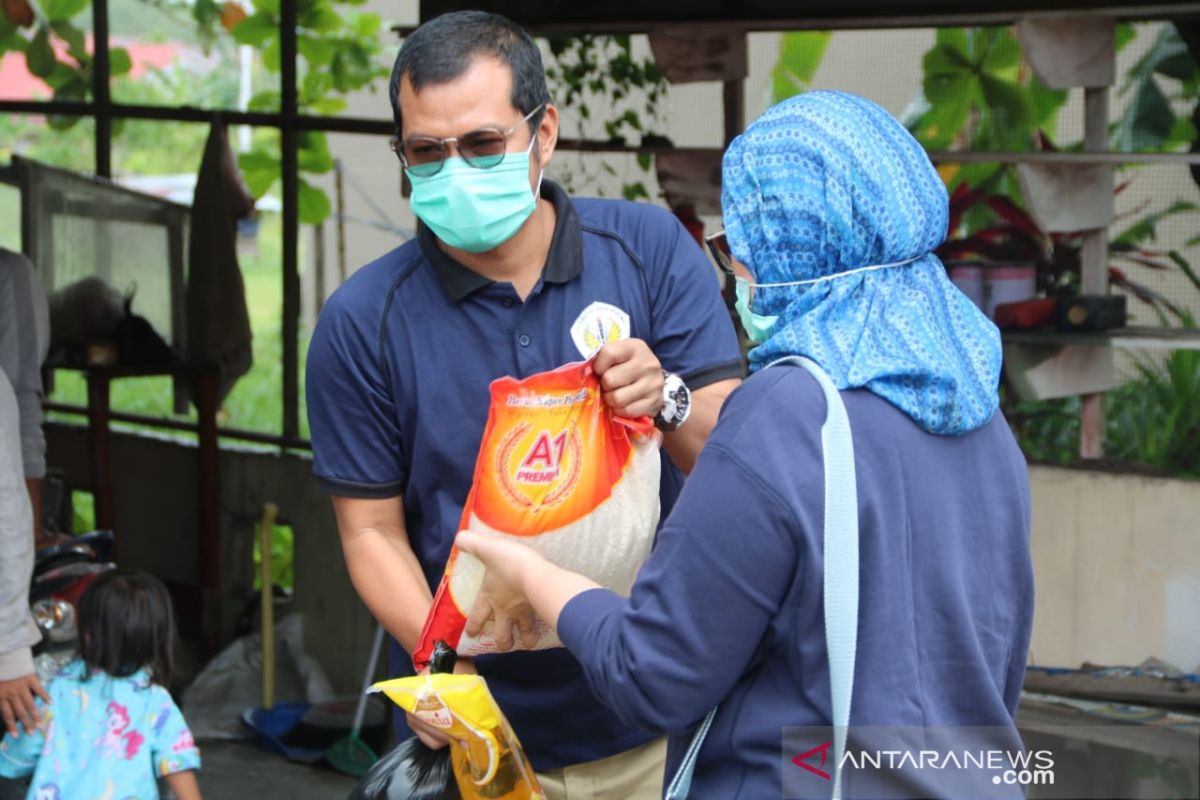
{"x":111,"y":727}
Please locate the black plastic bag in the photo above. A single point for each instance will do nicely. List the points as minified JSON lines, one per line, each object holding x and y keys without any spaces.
{"x":411,"y":770}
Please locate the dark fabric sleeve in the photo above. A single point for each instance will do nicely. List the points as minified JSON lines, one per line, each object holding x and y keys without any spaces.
{"x":358,"y":450}
{"x":693,"y":335}
{"x":726,"y":559}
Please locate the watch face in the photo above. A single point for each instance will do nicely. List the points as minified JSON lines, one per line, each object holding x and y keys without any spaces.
{"x":676,"y":399}
{"x":682,"y":398}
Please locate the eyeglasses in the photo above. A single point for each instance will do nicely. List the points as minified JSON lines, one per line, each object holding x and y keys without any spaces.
{"x":483,"y":148}
{"x":718,"y":245}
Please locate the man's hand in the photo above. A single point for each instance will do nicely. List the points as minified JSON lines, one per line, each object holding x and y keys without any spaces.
{"x":631,"y":377}
{"x":435,"y":738}
{"x":17,"y":703}
{"x":498,"y":601}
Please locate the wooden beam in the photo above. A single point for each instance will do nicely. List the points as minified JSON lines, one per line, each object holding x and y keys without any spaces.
{"x":541,"y":18}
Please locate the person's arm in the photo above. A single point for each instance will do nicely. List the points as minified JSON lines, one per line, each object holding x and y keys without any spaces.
{"x":173,"y":749}
{"x":24,"y":343}
{"x":387,"y":576}
{"x":700,"y":607}
{"x":184,"y":785}
{"x":19,"y":687}
{"x":690,"y":331}
{"x":523,"y":572}
{"x":685,"y":444}
{"x":382,"y":565}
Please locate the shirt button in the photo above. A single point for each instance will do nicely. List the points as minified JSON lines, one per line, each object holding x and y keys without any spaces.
{"x":508,"y":302}
{"x":523,"y":339}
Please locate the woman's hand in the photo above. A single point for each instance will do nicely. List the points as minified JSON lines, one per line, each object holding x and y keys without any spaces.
{"x":497,"y":601}
{"x":520,"y":575}
{"x":509,"y":565}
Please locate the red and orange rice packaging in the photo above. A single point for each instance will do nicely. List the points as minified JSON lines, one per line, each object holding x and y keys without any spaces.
{"x":558,"y":471}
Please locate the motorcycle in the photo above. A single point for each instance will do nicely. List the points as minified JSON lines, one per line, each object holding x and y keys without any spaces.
{"x":60,"y":576}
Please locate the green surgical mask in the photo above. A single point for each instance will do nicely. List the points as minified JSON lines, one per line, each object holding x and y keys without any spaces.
{"x":757,"y":327}
{"x":475,"y":209}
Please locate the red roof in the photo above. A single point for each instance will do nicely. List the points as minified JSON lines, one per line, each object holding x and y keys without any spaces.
{"x":16,"y":83}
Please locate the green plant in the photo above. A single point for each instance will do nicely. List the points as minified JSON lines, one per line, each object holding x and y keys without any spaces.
{"x":1006,"y":232}
{"x":337,"y":48}
{"x":1152,"y":420}
{"x":979,"y":94}
{"x":83,"y":511}
{"x":800,"y":54}
{"x":283,"y":558}
{"x":1047,"y":431}
{"x":40,"y":32}
{"x":609,"y":89}
{"x":338,"y":52}
{"x":1155,"y":419}
{"x":1149,"y":122}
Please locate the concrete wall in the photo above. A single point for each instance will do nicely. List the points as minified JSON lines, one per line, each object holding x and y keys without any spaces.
{"x":1116,"y":557}
{"x":154,"y":481}
{"x":1117,"y":565}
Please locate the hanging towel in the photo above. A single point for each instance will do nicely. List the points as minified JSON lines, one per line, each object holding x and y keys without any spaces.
{"x":218,"y":324}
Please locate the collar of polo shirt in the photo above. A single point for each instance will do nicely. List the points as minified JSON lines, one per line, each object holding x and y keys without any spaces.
{"x":563,"y":264}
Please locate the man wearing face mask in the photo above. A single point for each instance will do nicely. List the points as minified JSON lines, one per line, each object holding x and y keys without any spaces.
{"x":507,"y":276}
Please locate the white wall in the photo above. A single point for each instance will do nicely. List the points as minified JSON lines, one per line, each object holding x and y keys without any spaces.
{"x":1117,"y":568}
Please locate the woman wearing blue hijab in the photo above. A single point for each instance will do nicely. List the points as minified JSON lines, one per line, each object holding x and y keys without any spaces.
{"x":852,"y":547}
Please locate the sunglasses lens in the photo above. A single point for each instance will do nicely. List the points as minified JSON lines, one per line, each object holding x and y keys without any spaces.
{"x":424,"y":156}
{"x":483,"y":148}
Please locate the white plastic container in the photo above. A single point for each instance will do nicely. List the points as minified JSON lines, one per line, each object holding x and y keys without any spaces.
{"x":1009,"y":283}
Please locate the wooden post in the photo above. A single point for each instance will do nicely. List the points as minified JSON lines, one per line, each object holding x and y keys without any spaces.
{"x":1094,"y":269}
{"x":341,"y":220}
{"x":208,"y":499}
{"x":733,"y":95}
{"x":100,"y":88}
{"x":318,"y":268}
{"x":100,"y":449}
{"x":289,"y":142}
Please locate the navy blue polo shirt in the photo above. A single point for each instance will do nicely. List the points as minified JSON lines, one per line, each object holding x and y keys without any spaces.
{"x":397,"y":390}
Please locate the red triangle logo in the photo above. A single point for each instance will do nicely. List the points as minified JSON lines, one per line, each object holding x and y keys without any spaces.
{"x":802,"y":760}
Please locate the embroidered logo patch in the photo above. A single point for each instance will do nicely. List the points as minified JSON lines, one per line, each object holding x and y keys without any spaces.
{"x":597,"y":325}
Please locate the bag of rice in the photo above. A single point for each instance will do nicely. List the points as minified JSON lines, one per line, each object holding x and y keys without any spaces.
{"x":560,"y":472}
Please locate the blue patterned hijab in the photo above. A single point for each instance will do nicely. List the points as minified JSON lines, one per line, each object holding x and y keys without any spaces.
{"x":827,"y":182}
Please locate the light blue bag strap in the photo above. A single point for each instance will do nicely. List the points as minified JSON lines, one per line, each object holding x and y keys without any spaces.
{"x":681,"y":784}
{"x":840,"y":580}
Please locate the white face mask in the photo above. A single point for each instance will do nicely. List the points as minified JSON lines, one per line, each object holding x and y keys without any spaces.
{"x":757,"y":326}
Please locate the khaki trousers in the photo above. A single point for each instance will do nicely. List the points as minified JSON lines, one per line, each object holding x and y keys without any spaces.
{"x":636,"y":774}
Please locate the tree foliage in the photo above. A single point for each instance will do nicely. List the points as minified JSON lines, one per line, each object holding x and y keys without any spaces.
{"x":338,"y":52}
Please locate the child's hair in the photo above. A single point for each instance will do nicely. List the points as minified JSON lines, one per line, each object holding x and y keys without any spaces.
{"x":126,"y":623}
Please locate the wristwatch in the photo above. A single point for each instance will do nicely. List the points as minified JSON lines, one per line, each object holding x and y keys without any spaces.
{"x":677,"y":403}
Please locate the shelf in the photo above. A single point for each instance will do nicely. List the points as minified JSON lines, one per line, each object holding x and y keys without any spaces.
{"x":1142,"y":337}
